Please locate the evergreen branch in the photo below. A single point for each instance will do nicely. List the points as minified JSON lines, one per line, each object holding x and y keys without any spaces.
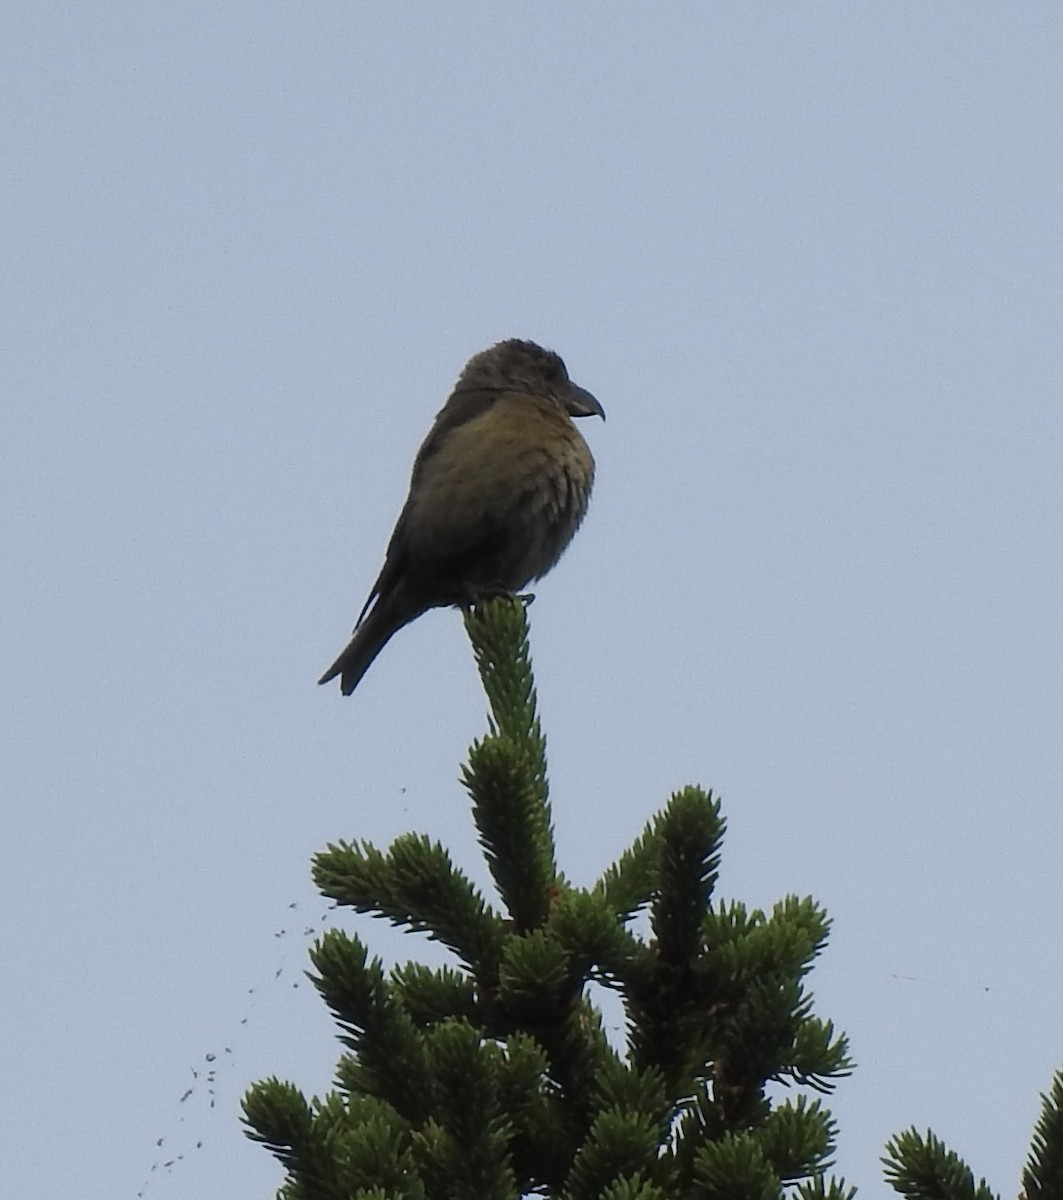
{"x":629,"y":1090}
{"x":578,"y":1053}
{"x":636,"y":1188}
{"x":377,"y":1028}
{"x":498,"y":631}
{"x":432,"y":996}
{"x":591,"y":933}
{"x":798,"y":1139}
{"x":279,"y":1118}
{"x":758,"y":1033}
{"x":333,"y":1150}
{"x":924,"y":1169}
{"x":463,"y":1148}
{"x":506,"y":771}
{"x":544,"y":1140}
{"x":498,"y":1080}
{"x":734,"y":1168}
{"x":820,"y":1188}
{"x":793,"y":1141}
{"x":818,"y":1057}
{"x":417,"y":887}
{"x":675,"y":1007}
{"x":620,"y":1148}
{"x":1043,"y":1177}
{"x":688,"y":834}
{"x":513,"y":821}
{"x":630,"y":883}
{"x":537,"y":980}
{"x":804,"y":914}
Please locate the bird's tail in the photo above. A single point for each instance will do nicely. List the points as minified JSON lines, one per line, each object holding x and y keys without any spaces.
{"x":371,"y":635}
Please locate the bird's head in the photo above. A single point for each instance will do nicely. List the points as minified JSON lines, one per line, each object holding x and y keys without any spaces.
{"x":516,"y":365}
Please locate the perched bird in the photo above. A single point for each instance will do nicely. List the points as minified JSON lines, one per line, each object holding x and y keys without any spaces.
{"x":498,"y":488}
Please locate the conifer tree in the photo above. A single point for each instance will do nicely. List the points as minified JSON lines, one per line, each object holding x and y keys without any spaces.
{"x":494,"y":1079}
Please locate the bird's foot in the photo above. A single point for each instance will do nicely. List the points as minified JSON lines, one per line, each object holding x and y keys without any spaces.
{"x":476,"y":596}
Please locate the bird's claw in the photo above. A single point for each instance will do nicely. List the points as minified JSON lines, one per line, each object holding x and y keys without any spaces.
{"x":482,"y":595}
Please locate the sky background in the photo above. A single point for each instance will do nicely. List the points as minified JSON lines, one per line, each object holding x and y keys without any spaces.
{"x":809,"y":257}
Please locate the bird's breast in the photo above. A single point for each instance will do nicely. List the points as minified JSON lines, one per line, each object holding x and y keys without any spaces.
{"x":516,"y":480}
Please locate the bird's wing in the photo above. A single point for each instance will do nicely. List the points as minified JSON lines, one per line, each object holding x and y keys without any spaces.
{"x":482,"y":540}
{"x":460,"y":408}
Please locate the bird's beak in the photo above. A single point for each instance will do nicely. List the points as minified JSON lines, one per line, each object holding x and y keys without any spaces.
{"x":581,"y":403}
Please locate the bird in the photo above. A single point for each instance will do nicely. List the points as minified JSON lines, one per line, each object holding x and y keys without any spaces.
{"x":498,"y":489}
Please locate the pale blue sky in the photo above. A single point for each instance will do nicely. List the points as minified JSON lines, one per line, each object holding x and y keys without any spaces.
{"x":809,"y":256}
